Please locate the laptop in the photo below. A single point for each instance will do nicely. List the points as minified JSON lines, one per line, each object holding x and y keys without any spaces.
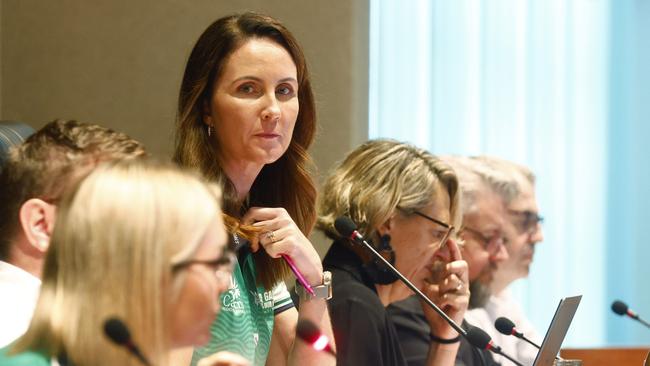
{"x":557,"y":331}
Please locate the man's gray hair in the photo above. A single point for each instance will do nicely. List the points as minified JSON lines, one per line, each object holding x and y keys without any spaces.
{"x":475,"y":174}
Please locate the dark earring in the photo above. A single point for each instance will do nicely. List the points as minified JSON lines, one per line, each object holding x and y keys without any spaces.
{"x":378,"y":272}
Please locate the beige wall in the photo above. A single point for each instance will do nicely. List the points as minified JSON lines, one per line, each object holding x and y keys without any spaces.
{"x":119,"y":63}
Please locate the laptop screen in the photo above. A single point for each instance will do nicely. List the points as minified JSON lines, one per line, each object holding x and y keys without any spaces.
{"x":557,"y":331}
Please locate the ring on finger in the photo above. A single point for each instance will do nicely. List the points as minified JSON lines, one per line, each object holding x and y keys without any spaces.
{"x":271,"y":236}
{"x":459,"y":287}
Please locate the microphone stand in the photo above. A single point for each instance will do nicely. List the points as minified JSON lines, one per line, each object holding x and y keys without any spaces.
{"x":638,"y":318}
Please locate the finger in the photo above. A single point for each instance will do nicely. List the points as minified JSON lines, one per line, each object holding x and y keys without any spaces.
{"x":431,"y":290}
{"x":271,"y":237}
{"x":274,"y":223}
{"x":452,"y":283}
{"x":255,"y":214}
{"x":458,"y":268}
{"x":454,"y":250}
{"x":454,"y":301}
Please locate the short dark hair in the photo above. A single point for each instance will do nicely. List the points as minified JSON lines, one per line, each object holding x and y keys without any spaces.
{"x":49,"y":161}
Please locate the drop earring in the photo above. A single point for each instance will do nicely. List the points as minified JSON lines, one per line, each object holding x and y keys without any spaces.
{"x":378,"y":272}
{"x":209,"y":130}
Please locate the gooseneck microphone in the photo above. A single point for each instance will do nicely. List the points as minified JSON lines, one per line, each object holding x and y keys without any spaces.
{"x":507,"y":327}
{"x":348,"y":229}
{"x":478,"y":338}
{"x":117,"y":331}
{"x":621,"y":308}
{"x":309,"y":332}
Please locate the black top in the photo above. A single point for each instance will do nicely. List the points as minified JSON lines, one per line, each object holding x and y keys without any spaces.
{"x":363,"y":332}
{"x":413,"y":331}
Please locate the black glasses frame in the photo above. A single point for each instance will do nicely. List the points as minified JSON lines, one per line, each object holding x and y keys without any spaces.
{"x":450,"y":228}
{"x":225,"y":262}
{"x":531,"y":220}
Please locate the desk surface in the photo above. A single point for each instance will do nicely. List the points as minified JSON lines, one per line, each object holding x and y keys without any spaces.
{"x":618,"y":356}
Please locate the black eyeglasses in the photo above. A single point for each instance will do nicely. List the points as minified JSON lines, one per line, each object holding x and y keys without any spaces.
{"x":221,"y":266}
{"x":492,"y":244}
{"x":441,"y":236}
{"x":528,"y":220}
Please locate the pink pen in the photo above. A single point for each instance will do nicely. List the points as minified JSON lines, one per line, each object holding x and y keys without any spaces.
{"x":299,"y":275}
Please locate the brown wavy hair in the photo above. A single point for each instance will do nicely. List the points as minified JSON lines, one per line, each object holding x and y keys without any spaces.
{"x":286,"y":182}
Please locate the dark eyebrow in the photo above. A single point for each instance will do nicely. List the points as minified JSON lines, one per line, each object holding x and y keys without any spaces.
{"x":250,"y":77}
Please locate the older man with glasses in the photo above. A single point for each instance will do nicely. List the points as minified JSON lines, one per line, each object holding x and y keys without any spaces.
{"x":484,"y":195}
{"x":523,"y":231}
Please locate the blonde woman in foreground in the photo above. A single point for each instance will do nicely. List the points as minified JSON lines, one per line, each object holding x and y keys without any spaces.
{"x":138,"y":241}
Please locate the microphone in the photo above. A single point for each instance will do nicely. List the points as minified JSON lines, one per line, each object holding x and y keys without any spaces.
{"x":118,"y":333}
{"x":507,"y":327}
{"x":478,"y":338}
{"x":309,"y":332}
{"x":621,"y":308}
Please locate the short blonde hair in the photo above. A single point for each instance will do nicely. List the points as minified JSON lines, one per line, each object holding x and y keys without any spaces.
{"x":117,"y":235}
{"x":377,"y":178}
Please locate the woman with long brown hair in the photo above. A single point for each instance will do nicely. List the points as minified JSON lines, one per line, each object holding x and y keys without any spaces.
{"x":246,"y":118}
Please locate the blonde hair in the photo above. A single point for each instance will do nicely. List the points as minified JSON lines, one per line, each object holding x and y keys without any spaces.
{"x":118,"y":234}
{"x":377,"y":178}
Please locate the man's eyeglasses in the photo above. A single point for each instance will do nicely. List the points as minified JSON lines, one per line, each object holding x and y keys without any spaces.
{"x":527,"y":221}
{"x":491,"y":244}
{"x":221,"y":266}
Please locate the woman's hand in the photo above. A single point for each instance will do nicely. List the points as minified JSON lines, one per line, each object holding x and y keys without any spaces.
{"x":449,"y":289}
{"x":224,"y":358}
{"x":280,"y":235}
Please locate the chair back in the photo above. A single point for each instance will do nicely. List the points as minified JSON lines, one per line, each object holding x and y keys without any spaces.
{"x":12,"y":133}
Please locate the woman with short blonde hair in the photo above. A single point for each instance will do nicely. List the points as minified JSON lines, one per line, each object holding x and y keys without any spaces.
{"x":405,"y":201}
{"x":138,"y":241}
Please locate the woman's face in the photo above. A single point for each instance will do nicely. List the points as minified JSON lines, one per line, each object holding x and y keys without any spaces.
{"x":207,"y":275}
{"x":254,"y":104}
{"x":416,"y":239}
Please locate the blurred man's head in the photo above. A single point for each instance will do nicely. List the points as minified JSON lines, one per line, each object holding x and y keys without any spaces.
{"x":484,"y":193}
{"x":523,"y":229}
{"x":35,"y":175}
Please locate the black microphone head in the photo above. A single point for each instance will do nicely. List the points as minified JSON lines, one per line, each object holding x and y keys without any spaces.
{"x":478,"y":338}
{"x":504,"y":325}
{"x":307,"y":331}
{"x":345,"y":226}
{"x":116,"y":331}
{"x":619,"y":307}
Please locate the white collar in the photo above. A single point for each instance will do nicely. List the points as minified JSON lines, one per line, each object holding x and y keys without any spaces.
{"x":11,"y":272}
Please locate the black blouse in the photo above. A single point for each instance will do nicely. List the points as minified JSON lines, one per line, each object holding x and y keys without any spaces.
{"x":413,"y":331}
{"x":363,"y":332}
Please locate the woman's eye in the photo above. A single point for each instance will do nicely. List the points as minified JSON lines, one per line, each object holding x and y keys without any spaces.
{"x":284,"y":90}
{"x":247,"y":89}
{"x":439,"y":235}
